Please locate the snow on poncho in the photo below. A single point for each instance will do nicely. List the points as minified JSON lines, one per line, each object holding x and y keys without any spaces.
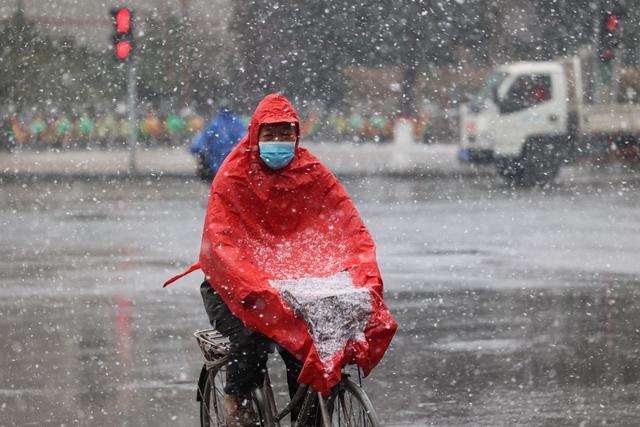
{"x":290,"y":256}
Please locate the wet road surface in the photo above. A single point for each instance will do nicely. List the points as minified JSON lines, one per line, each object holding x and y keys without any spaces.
{"x":515,"y":307}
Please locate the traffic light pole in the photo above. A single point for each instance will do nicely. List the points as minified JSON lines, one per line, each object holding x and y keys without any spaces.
{"x":122,"y":39}
{"x":597,"y":6}
{"x":133,"y":128}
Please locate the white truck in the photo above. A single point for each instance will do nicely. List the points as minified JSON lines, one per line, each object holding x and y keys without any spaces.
{"x":531,"y":117}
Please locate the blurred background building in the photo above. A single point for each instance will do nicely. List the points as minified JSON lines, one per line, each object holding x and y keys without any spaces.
{"x":350,"y":66}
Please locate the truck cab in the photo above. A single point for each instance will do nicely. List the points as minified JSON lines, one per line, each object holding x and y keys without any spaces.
{"x":520,"y":106}
{"x":476,"y":119}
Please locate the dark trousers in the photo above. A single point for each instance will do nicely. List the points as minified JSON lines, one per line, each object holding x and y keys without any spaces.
{"x":249,"y":350}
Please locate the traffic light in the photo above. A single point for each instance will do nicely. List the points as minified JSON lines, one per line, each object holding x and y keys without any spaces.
{"x":122,"y":33}
{"x":610,"y":35}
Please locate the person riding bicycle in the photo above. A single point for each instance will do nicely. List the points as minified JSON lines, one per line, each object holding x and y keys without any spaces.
{"x":287,"y":260}
{"x":215,"y":142}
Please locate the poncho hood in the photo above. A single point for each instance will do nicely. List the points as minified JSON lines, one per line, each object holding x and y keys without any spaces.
{"x":289,"y":254}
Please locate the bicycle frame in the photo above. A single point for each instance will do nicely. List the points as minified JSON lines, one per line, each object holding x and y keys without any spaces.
{"x":271,"y":417}
{"x":305,"y":397}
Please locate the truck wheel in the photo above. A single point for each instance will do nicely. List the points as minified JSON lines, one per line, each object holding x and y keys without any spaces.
{"x":540,"y":162}
{"x":537,"y":165}
{"x":510,"y":169}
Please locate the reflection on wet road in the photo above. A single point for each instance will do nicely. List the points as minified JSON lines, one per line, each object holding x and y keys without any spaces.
{"x":518,"y":357}
{"x":515,"y":308}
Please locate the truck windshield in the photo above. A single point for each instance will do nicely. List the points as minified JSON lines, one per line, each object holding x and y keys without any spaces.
{"x":485,"y":95}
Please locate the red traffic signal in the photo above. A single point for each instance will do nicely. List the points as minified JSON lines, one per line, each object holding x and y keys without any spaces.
{"x":123,"y":49}
{"x":607,"y":54}
{"x":610,"y":35}
{"x":122,"y":37}
{"x":123,"y":20}
{"x":612,"y":23}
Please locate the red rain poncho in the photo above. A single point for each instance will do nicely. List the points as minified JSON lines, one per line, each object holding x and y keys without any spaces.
{"x":290,"y":256}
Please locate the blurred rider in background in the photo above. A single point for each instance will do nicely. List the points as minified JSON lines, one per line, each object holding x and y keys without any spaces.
{"x":217,"y":140}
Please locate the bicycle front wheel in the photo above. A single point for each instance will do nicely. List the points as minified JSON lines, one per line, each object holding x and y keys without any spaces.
{"x":350,"y":406}
{"x":212,"y":399}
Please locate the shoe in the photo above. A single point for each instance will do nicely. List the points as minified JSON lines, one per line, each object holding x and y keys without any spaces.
{"x":239,"y":411}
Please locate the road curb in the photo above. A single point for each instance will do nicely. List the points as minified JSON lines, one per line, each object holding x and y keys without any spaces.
{"x":437,"y":160}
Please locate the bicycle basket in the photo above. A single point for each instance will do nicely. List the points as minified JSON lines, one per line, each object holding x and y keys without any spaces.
{"x":214,"y":346}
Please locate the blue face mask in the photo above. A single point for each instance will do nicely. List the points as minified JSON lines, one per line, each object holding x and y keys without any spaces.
{"x":276,"y":154}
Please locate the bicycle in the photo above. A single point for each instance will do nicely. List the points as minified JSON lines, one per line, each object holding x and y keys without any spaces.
{"x":347,"y":405}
